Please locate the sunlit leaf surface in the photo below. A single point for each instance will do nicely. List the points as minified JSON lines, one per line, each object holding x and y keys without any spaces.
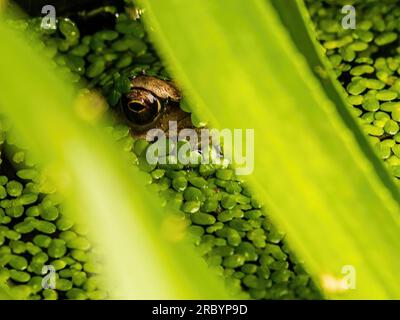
{"x":240,"y":69}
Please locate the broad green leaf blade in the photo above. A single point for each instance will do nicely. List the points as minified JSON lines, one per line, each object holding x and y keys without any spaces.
{"x":99,"y":184}
{"x":240,"y":69}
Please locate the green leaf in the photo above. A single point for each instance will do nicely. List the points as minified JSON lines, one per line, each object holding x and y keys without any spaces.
{"x":240,"y":69}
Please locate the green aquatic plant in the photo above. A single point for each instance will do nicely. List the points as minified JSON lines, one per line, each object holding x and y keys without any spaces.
{"x":304,"y":150}
{"x":306,"y":186}
{"x":366,"y":65}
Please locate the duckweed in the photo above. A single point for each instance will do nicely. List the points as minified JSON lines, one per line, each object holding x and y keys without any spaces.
{"x":203,"y":218}
{"x":33,"y":233}
{"x":230,"y":230}
{"x":372,"y":78}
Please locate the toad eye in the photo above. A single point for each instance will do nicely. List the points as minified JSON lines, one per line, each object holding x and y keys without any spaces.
{"x":147,"y":100}
{"x":141,"y":107}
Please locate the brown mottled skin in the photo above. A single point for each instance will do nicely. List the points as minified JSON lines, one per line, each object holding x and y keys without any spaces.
{"x":171,"y":111}
{"x":160,"y":88}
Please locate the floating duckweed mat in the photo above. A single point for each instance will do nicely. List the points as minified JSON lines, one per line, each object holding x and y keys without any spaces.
{"x":367,"y":63}
{"x":223,"y":218}
{"x":34,"y":233}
